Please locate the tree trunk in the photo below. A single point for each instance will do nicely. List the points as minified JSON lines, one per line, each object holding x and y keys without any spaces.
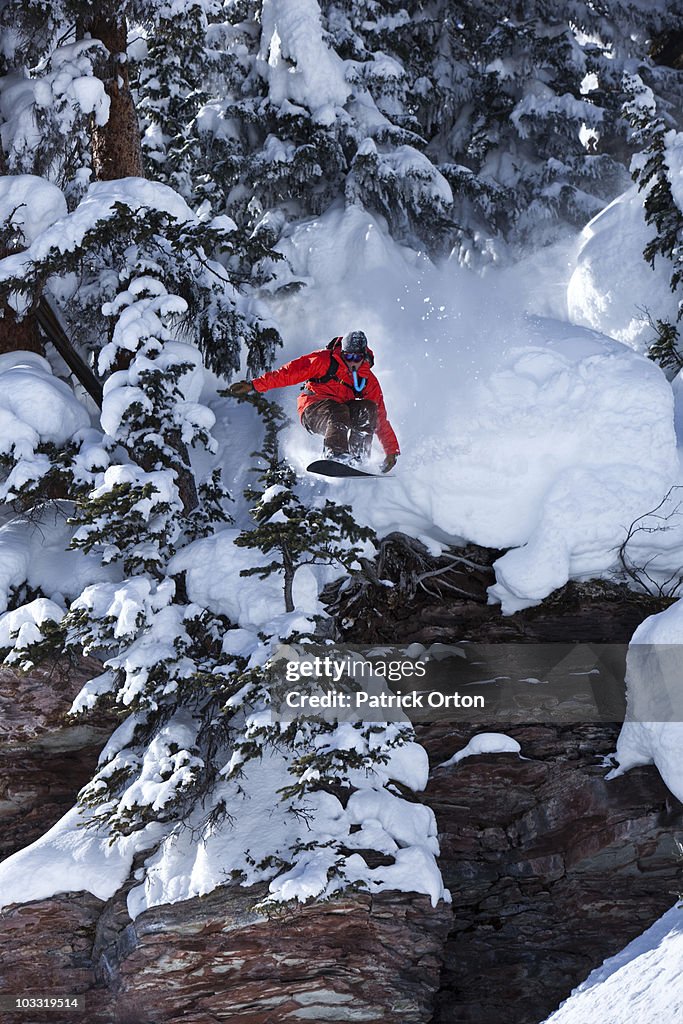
{"x":289,"y":580}
{"x":116,"y":149}
{"x":18,"y":334}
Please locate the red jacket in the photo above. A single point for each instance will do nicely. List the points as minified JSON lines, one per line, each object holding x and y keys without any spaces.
{"x":317,"y":364}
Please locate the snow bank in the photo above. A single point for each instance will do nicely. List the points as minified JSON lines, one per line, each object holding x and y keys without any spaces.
{"x":653,"y":730}
{"x":72,"y":858}
{"x":517,"y":430}
{"x":484,"y":743}
{"x":642,"y":983}
{"x":612,"y":284}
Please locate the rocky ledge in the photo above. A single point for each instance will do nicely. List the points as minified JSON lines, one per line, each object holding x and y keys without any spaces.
{"x":213,"y":959}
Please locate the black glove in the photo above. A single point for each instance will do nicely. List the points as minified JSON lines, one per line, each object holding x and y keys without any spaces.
{"x":389,"y":463}
{"x":240,"y":388}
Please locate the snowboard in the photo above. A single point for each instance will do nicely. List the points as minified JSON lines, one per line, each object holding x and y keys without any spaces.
{"x":328,"y":467}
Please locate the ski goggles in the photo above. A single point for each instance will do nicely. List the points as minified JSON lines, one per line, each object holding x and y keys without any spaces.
{"x":353,"y":357}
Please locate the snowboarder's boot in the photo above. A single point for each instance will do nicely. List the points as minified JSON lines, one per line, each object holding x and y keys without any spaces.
{"x":363,"y":423}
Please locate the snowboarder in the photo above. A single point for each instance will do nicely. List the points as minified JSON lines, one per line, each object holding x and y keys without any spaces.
{"x":340,"y":399}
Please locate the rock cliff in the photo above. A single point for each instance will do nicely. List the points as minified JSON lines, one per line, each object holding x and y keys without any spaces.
{"x":551,"y":868}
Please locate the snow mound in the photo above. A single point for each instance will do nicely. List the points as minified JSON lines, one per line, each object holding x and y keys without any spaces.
{"x":642,"y":983}
{"x":213,"y":566}
{"x":553,"y":453}
{"x":30,"y":204}
{"x":22,"y":626}
{"x":38,"y":553}
{"x":35,"y":407}
{"x":485,"y":743}
{"x":34,"y":404}
{"x":653,"y":730}
{"x":612,"y":285}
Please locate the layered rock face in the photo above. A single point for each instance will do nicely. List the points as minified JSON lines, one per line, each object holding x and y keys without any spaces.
{"x":45,"y":757}
{"x":214,"y":959}
{"x":552,"y":869}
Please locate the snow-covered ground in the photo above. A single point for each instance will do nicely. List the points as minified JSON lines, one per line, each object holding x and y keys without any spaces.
{"x":641,"y":983}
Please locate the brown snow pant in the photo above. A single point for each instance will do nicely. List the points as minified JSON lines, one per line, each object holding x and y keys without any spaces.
{"x":347,"y":427}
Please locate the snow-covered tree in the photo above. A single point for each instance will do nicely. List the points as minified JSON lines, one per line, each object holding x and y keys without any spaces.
{"x":455,"y":125}
{"x":656,"y":170}
{"x":287,"y":529}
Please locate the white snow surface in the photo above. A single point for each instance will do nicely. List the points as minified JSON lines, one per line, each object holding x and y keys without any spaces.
{"x":30,"y":203}
{"x":612,"y":286}
{"x":518,"y":429}
{"x":641,"y":983}
{"x":484,"y":743}
{"x":653,"y":730}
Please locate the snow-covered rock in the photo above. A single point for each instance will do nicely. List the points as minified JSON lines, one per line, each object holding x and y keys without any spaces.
{"x":653,"y":730}
{"x":642,"y":983}
{"x":484,"y":743}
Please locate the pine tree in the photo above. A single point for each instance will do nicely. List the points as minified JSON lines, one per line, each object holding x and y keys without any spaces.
{"x":295,"y":533}
{"x":652,"y":174}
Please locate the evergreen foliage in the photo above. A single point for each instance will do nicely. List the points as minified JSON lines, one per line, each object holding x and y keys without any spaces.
{"x":126,"y":237}
{"x":295,"y":533}
{"x":652,"y":174}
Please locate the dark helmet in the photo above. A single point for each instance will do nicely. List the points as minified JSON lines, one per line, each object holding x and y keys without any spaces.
{"x":355,"y":341}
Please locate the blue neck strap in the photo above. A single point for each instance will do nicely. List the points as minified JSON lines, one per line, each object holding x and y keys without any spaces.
{"x":358,"y":384}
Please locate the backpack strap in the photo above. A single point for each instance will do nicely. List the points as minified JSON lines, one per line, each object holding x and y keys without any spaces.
{"x":331,"y":372}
